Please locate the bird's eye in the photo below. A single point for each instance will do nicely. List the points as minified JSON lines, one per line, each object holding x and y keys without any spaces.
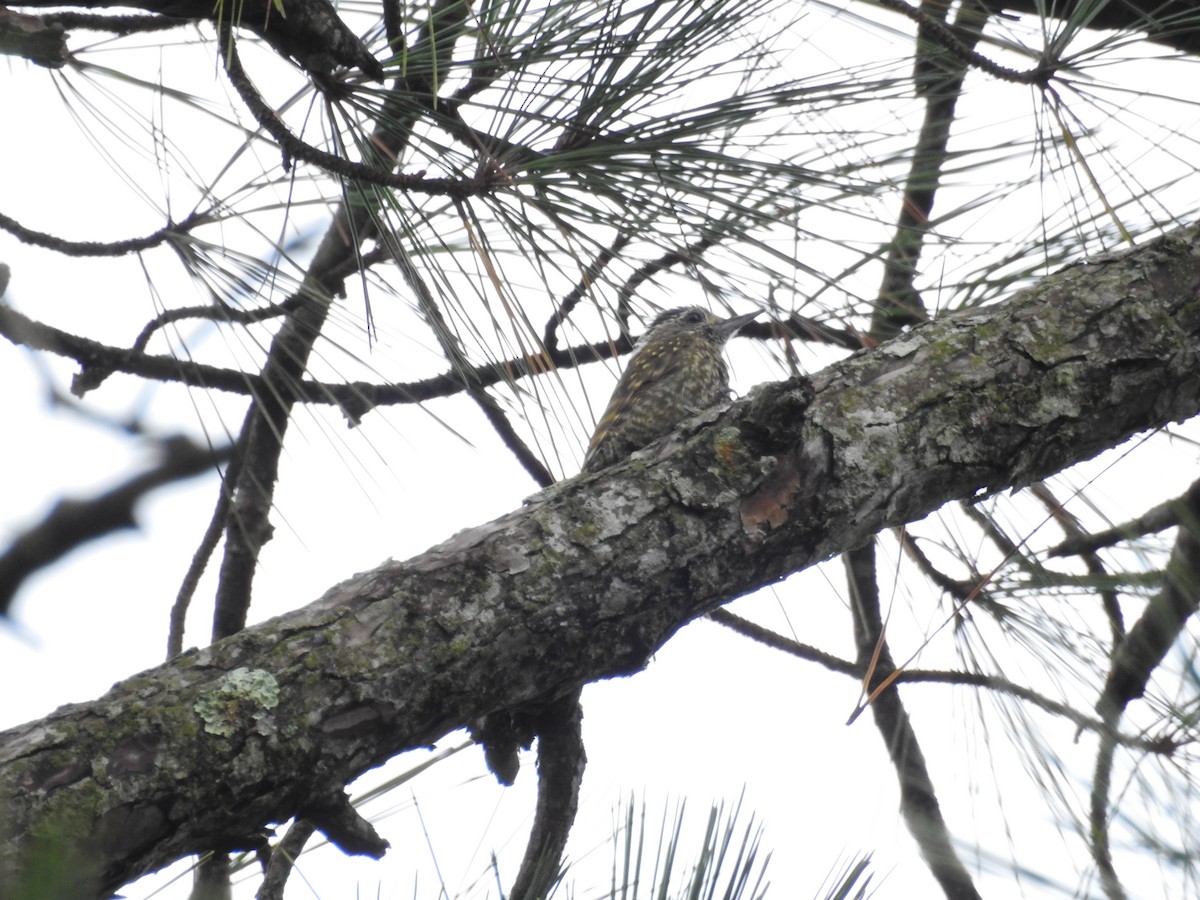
{"x":694,"y":317}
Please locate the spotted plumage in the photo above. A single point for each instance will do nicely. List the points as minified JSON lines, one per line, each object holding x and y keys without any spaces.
{"x":677,"y":369}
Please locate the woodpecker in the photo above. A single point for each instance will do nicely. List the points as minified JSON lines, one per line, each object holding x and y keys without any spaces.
{"x":677,"y":369}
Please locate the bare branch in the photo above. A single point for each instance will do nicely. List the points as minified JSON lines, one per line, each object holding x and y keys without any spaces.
{"x":1095,"y":566}
{"x":560,"y":772}
{"x":294,"y":148}
{"x":73,"y":523}
{"x":1160,"y":518}
{"x":41,"y":42}
{"x":918,"y":799}
{"x":355,"y":398}
{"x":1159,"y":745}
{"x":311,"y":33}
{"x":1159,"y":626}
{"x":1172,"y":23}
{"x":101,"y":248}
{"x":283,"y":860}
{"x":268,"y":417}
{"x":951,"y":40}
{"x":939,"y":80}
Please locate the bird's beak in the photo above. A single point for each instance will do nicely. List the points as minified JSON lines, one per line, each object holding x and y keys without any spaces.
{"x":732,"y":326}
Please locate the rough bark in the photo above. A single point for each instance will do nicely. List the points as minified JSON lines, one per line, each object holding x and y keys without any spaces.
{"x":591,"y":576}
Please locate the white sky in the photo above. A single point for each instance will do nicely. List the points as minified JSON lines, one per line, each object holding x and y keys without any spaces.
{"x":712,"y":718}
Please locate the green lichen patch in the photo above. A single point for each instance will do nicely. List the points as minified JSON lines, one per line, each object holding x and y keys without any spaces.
{"x":240,"y":697}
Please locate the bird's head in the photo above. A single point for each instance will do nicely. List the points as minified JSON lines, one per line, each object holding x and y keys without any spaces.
{"x":694,"y":320}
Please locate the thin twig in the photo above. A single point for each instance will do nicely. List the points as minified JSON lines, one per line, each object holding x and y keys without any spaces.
{"x":269,"y":415}
{"x":295,"y":148}
{"x":356,"y":398}
{"x":1157,"y":745}
{"x":72,"y":523}
{"x":101,"y":248}
{"x":934,"y":30}
{"x":1159,"y":518}
{"x":1070,"y":525}
{"x":200,"y":558}
{"x":568,"y":303}
{"x":918,"y":799}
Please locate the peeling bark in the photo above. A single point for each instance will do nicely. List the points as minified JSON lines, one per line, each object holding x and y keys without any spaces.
{"x":591,"y":576}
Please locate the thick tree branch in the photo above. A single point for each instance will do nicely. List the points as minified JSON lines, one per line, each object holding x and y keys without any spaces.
{"x":206,"y":750}
{"x":41,"y":42}
{"x":1172,"y":23}
{"x":307,"y":31}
